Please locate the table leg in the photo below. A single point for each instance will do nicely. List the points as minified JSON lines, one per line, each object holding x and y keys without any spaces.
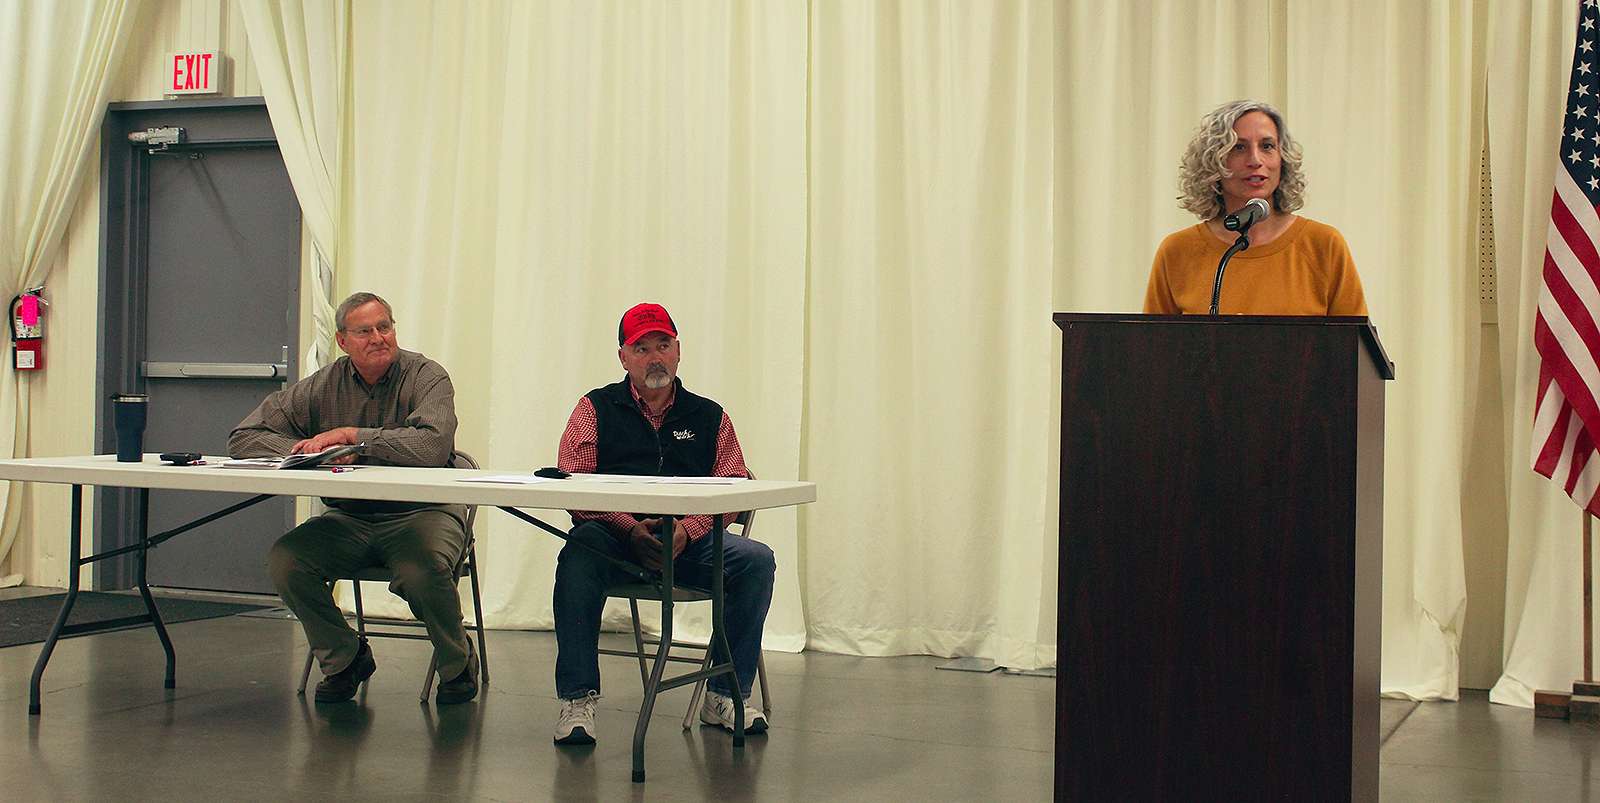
{"x":73,"y":564}
{"x":719,"y":632}
{"x":144,"y":588}
{"x":665,"y":646}
{"x":151,"y":615}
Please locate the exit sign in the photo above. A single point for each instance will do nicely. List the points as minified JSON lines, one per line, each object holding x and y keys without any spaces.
{"x":194,"y":73}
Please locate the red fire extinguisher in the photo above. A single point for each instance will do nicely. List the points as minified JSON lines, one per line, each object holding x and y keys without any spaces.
{"x":27,"y":330}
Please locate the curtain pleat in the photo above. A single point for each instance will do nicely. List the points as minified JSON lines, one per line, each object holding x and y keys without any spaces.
{"x":59,"y":61}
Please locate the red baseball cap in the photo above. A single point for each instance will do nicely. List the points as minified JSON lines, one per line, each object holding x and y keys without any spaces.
{"x":641,"y":320}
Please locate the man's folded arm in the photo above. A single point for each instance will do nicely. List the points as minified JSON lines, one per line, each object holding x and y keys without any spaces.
{"x":428,"y":435}
{"x":273,"y":428}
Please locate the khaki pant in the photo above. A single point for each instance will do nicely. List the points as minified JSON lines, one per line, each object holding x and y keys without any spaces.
{"x":421,"y":547}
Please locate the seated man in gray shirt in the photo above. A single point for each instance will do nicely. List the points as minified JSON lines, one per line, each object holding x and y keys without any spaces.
{"x":401,"y":405}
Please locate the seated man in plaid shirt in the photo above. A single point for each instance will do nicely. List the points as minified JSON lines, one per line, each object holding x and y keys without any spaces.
{"x":401,"y":406}
{"x":648,"y":423}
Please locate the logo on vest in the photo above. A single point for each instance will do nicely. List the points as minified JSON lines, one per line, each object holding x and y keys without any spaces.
{"x":683,"y":434}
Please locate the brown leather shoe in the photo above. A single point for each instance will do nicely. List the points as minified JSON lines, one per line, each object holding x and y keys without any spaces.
{"x":342,"y":685}
{"x":462,"y":687}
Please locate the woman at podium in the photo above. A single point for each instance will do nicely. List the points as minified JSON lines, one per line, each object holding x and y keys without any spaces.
{"x":1293,"y":265}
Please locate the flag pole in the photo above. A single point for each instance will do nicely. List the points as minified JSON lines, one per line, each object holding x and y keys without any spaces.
{"x":1588,"y":598}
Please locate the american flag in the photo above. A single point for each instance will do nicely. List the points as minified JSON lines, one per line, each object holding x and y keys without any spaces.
{"x":1566,"y":332}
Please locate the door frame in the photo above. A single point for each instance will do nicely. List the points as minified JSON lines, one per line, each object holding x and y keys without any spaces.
{"x":124,"y":271}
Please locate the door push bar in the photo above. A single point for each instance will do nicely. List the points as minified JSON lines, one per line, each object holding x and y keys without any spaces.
{"x":216,"y":370}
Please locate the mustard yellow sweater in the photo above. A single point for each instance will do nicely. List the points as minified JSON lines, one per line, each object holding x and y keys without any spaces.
{"x":1307,"y":270}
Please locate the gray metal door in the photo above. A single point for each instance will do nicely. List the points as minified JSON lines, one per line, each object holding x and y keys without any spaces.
{"x":219,"y":324}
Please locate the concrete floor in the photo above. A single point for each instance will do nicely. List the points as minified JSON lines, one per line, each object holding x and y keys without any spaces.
{"x":842,"y":728}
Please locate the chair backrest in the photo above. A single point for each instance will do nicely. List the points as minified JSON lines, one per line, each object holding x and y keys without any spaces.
{"x":747,"y":519}
{"x":460,"y":459}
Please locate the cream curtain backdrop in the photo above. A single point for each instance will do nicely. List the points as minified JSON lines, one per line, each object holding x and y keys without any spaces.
{"x":1530,"y":55}
{"x":1400,"y":183}
{"x":928,"y":331}
{"x":862,"y":216}
{"x":299,"y":51}
{"x":59,"y":62}
{"x":1361,"y":83}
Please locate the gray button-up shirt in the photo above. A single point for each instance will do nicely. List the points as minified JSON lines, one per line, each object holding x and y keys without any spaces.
{"x":408,"y":418}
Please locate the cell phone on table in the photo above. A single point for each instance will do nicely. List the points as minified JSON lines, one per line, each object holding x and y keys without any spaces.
{"x":181,"y":458}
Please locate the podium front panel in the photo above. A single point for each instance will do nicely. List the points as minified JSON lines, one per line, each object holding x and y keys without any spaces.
{"x":1214,"y":607}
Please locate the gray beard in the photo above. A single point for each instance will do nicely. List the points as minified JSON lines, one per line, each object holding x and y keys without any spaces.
{"x":655,"y":381}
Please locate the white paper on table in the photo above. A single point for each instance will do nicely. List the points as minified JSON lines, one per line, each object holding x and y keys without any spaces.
{"x":650,"y":479}
{"x":621,"y":479}
{"x":509,"y":479}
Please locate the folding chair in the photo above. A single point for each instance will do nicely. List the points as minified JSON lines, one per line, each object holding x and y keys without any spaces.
{"x":404,"y":629}
{"x":633,"y":592}
{"x":664,"y":590}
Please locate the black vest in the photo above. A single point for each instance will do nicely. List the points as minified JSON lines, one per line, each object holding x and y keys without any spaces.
{"x":625,"y":443}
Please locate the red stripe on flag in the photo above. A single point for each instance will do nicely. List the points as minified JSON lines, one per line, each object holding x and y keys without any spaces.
{"x":1581,"y":320}
{"x":1576,"y":238}
{"x":1582,"y":450}
{"x":1579,"y":395}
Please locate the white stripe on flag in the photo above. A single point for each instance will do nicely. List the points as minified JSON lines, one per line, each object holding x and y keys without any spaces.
{"x":1588,"y":481}
{"x":1573,"y":271}
{"x":1544,"y":421}
{"x":1572,"y":346}
{"x":1564,"y":467}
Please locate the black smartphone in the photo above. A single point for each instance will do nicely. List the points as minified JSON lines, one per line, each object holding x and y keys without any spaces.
{"x":181,"y":458}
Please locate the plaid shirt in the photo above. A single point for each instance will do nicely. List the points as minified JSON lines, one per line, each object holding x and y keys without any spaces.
{"x":579,"y":456}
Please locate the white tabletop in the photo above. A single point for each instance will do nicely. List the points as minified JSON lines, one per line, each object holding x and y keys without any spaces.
{"x":414,"y":485}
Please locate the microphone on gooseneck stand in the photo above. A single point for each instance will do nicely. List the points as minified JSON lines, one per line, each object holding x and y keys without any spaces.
{"x":1254,"y":211}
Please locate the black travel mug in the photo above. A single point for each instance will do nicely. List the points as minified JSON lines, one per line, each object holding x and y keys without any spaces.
{"x":130,"y":410}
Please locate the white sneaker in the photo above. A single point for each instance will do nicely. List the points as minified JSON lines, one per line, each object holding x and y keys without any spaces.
{"x":718,"y":710}
{"x":576,"y":723}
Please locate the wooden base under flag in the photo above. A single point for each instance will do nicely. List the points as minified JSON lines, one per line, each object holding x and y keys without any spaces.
{"x":1585,"y":710}
{"x":1585,"y":706}
{"x":1551,"y":704}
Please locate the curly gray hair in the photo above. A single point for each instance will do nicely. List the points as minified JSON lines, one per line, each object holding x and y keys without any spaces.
{"x":1201,"y":173}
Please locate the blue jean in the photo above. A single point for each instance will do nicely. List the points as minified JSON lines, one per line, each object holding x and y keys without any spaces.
{"x":582,"y":578}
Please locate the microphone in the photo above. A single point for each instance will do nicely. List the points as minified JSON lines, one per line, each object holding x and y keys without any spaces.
{"x":1248,"y":215}
{"x":1240,"y":221}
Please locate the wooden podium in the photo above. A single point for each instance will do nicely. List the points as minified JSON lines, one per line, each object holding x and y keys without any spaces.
{"x":1221,"y":557}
